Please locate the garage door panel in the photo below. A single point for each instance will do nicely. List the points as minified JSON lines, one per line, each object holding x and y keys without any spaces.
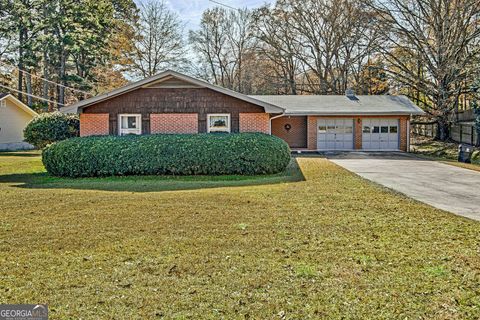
{"x":335,"y":134}
{"x":380,"y":134}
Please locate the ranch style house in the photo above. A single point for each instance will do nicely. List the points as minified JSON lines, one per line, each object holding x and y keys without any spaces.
{"x":171,"y":102}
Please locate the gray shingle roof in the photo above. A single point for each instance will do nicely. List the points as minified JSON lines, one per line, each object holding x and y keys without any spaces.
{"x":3,"y":94}
{"x":343,"y":105}
{"x":276,"y":104}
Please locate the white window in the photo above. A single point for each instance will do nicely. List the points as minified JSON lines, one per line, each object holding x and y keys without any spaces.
{"x":3,"y":103}
{"x":130,"y":124}
{"x":218,"y":122}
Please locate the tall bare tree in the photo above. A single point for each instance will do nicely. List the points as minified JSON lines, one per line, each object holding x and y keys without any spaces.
{"x":225,"y":44}
{"x":278,"y":46}
{"x":442,"y":38}
{"x":334,"y":39}
{"x":159,"y":40}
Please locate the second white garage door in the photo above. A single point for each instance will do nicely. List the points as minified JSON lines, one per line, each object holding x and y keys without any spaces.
{"x":380,"y":134}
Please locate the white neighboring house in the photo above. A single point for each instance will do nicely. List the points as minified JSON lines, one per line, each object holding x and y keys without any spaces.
{"x":14,"y":116}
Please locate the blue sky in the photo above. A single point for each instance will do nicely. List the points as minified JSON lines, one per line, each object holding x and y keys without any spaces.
{"x":190,"y":11}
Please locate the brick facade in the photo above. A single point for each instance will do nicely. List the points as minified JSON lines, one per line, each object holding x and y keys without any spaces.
{"x":404,"y":134}
{"x":254,"y":122}
{"x":174,"y":123}
{"x":147,"y":101}
{"x":357,"y":125}
{"x":292,"y":129}
{"x":312,"y":133}
{"x":94,"y":124}
{"x":302,"y":133}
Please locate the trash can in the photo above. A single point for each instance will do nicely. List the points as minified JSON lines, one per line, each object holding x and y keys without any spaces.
{"x":465,"y":153}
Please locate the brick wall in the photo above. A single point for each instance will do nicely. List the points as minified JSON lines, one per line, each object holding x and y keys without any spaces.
{"x":254,"y":122}
{"x":174,"y":123}
{"x":296,"y":136}
{"x":312,"y":133}
{"x":357,"y":123}
{"x":94,"y":124}
{"x":403,"y":134}
{"x":146,"y":101}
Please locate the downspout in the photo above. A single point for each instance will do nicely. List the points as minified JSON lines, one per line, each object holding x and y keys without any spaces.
{"x":270,"y":123}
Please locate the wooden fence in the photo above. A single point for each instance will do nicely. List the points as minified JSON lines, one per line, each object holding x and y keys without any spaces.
{"x":459,"y":132}
{"x":466,"y":115}
{"x":424,"y":129}
{"x":463,"y":133}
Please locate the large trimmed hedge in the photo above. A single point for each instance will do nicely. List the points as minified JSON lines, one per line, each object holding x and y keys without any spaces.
{"x":194,"y":154}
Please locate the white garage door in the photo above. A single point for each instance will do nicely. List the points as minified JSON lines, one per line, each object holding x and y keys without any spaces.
{"x":380,"y":134}
{"x":335,"y":134}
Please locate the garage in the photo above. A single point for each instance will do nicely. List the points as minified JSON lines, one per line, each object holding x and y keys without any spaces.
{"x":335,"y":134}
{"x":350,"y":122}
{"x":380,"y":134}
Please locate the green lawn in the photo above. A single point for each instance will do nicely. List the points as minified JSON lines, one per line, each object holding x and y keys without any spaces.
{"x":446,"y":152}
{"x":313,"y":242}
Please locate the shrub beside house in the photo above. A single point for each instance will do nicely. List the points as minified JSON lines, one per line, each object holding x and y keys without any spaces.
{"x":50,"y":127}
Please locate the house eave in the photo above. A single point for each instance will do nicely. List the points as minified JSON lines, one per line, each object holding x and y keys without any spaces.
{"x":386,"y":113}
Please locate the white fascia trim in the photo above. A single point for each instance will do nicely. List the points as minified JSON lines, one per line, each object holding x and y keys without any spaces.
{"x":320,"y":114}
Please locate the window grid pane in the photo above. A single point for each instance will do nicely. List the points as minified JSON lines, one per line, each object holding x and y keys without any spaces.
{"x":130,"y":124}
{"x":219,"y":123}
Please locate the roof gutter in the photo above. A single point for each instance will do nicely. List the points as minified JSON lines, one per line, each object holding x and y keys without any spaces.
{"x":270,"y":122}
{"x":360,"y":114}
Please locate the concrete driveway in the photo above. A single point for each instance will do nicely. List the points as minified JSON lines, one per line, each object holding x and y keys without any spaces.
{"x":440,"y":185}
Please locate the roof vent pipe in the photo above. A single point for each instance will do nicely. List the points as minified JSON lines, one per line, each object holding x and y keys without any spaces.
{"x":350,"y":93}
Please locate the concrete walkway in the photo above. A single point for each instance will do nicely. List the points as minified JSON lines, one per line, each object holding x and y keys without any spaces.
{"x":440,"y":185}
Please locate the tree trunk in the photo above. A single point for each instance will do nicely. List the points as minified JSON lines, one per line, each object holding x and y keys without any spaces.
{"x":28,"y":85}
{"x":476,"y":125}
{"x":61,"y":74}
{"x":45,"y":49}
{"x":443,"y":128}
{"x":477,"y":130}
{"x":442,"y":112}
{"x":46,"y":75}
{"x":21,"y":40}
{"x":51,"y":93}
